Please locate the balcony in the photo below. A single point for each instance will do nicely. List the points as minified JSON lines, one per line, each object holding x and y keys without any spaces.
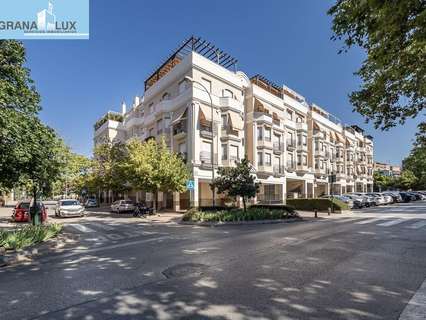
{"x":179,"y":131}
{"x":302,"y":147}
{"x":291,"y":144}
{"x":290,"y":167}
{"x":319,"y":153}
{"x":340,"y":176}
{"x":319,"y":171}
{"x":301,"y":126}
{"x":206,"y":131}
{"x":265,"y":142}
{"x":278,"y":147}
{"x":264,"y":167}
{"x":279,"y":170}
{"x":302,"y":168}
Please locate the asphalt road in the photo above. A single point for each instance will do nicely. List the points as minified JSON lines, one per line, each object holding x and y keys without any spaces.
{"x":367,"y":265}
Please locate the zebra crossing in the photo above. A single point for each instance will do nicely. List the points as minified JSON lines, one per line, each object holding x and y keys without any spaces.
{"x":386,"y":222}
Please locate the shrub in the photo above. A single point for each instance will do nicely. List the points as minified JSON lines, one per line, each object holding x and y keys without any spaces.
{"x":236,"y":214}
{"x":319,"y":204}
{"x":28,"y":235}
{"x":283,"y":207}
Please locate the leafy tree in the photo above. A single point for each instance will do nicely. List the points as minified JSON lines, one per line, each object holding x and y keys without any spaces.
{"x":19,"y":104}
{"x":407,"y":180}
{"x":152,"y":167}
{"x":237,"y":181}
{"x":382,"y":181}
{"x":393,"y":35}
{"x":107,"y":172}
{"x":416,"y":161}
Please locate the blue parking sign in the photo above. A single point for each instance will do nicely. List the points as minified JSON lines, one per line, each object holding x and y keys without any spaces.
{"x":190,"y":184}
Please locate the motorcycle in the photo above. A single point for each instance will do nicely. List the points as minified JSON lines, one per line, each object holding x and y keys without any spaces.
{"x":142,"y":210}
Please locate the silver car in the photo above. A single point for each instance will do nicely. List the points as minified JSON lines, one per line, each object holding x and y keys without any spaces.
{"x":122,"y":206}
{"x":69,"y":208}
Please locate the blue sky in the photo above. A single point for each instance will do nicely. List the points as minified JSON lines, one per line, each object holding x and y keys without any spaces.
{"x":286,"y":41}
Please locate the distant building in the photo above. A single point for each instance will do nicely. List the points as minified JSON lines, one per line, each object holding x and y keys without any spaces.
{"x":46,"y":20}
{"x":387,"y":169}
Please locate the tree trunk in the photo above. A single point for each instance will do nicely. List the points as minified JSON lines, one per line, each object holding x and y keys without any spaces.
{"x":154,"y":203}
{"x":244,"y":204}
{"x":34,"y":213}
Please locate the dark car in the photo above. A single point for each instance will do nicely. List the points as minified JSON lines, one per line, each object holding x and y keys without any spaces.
{"x":395,"y":196}
{"x":415,"y":195}
{"x":21,"y":212}
{"x":407,"y":197}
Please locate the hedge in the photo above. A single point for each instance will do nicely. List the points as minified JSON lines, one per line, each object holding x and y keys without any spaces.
{"x":319,"y":204}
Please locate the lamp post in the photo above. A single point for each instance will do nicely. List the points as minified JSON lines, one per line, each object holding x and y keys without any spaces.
{"x":189,"y":79}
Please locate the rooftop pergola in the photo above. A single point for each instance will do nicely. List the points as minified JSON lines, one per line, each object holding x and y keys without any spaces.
{"x":267,"y":85}
{"x":193,"y":44}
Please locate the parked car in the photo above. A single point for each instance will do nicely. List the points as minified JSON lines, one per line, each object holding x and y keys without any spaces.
{"x":395,"y":196}
{"x":358,"y":202}
{"x":419,"y":195}
{"x":380,"y":199}
{"x":122,"y":206}
{"x":368,"y":200}
{"x":407,"y":197}
{"x":415,"y":195}
{"x":388,"y":198}
{"x":69,"y":208}
{"x":21,"y":212}
{"x":91,"y":203}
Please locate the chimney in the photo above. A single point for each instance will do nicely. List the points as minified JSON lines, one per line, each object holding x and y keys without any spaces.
{"x":123,"y":108}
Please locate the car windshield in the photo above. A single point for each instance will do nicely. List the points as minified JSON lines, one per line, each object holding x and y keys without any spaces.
{"x":70,"y":203}
{"x":24,"y":205}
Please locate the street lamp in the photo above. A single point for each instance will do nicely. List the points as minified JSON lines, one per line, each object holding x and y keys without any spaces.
{"x":189,"y":79}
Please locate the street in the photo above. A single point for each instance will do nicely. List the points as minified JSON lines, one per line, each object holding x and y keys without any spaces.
{"x":364,"y":265}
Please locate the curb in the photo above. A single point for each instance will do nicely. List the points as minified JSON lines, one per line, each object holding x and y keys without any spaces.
{"x":240,"y":223}
{"x":10,"y":257}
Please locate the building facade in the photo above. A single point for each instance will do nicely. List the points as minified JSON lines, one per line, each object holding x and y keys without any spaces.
{"x":387,"y":169}
{"x":220,"y":115}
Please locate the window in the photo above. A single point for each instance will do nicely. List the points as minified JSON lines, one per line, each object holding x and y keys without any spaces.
{"x":305,"y":160}
{"x":224,"y":152}
{"x":224,"y":121}
{"x":299,"y":160}
{"x":268,"y":159}
{"x":182,"y":147}
{"x":159,"y":125}
{"x":259,"y":133}
{"x":290,"y":160}
{"x":226,"y":93}
{"x":277,"y":138}
{"x":165,"y":96}
{"x":299,"y":139}
{"x":207,"y":84}
{"x":277,"y":161}
{"x":289,"y":115}
{"x":205,"y":154}
{"x":300,"y":119}
{"x":268,"y":134}
{"x":305,"y":140}
{"x":290,"y":139}
{"x":260,"y":159}
{"x":233,"y":152}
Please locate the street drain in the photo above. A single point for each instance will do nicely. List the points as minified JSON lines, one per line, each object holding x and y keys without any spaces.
{"x":185,"y":270}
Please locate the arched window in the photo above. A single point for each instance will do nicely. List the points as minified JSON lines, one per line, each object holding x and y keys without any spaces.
{"x":226,"y":93}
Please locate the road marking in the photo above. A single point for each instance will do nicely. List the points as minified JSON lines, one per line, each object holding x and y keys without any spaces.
{"x":417,"y":225}
{"x":102,"y":226}
{"x":392,"y":222}
{"x":81,"y":228}
{"x":341,"y":220}
{"x":416,"y":307}
{"x":369,"y":221}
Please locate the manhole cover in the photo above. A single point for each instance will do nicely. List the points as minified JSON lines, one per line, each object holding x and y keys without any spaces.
{"x":185,"y":270}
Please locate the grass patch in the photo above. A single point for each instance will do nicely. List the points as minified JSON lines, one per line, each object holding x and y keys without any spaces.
{"x":232,"y":215}
{"x":28,"y":235}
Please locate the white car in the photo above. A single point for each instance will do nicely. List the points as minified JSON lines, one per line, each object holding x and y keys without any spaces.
{"x":69,"y":208}
{"x":122,"y":206}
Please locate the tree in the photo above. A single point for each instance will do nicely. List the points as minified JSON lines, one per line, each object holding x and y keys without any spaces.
{"x":407,"y":180}
{"x":150,"y":166}
{"x":237,"y":181}
{"x":416,"y":160}
{"x":19,"y":104}
{"x":382,"y":181}
{"x":393,"y":35}
{"x":107,"y":172}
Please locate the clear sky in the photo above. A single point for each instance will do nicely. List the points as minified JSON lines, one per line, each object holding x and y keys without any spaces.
{"x":286,"y":41}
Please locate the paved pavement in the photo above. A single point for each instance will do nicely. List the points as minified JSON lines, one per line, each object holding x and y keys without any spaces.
{"x":370,"y":264}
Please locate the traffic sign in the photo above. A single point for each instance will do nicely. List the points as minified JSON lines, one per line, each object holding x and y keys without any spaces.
{"x":190,"y":184}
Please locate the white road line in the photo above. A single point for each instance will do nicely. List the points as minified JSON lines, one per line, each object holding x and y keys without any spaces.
{"x":81,"y":228}
{"x":416,"y":307}
{"x":392,"y":222}
{"x":369,"y":221}
{"x":341,"y":220}
{"x":103,"y":226}
{"x":417,"y":225}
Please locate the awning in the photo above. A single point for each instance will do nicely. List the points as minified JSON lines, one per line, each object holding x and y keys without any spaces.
{"x":275,"y":116}
{"x":259,"y":106}
{"x":349,"y":142}
{"x":178,"y":115}
{"x":339,"y":137}
{"x":205,"y":113}
{"x":236,"y":121}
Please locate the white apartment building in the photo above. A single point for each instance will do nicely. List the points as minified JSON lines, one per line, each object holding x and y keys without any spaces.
{"x":295,"y":147}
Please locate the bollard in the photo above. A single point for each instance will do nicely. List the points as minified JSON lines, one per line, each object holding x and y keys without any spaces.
{"x":329,"y":211}
{"x":316,"y":213}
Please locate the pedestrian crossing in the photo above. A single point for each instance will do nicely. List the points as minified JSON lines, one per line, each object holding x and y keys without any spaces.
{"x":385,"y":222}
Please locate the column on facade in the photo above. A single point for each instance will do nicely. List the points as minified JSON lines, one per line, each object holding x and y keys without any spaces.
{"x":284,"y":192}
{"x":194,"y":194}
{"x":176,"y":201}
